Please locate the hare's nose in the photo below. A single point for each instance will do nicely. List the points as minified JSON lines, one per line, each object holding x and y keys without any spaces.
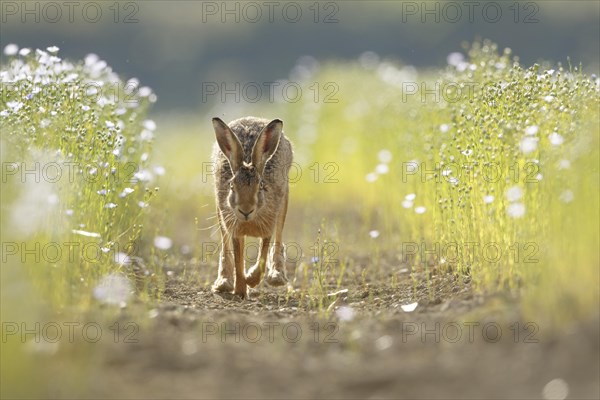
{"x":246,"y":214}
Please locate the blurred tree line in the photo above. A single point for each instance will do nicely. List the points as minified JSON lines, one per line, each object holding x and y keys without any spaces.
{"x":176,"y":47}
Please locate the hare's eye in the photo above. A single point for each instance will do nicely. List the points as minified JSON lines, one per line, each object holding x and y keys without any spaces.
{"x":261,"y":185}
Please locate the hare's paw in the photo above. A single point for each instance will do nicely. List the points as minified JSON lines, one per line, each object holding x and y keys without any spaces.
{"x":222,"y":285}
{"x":253,"y":275}
{"x":241,"y":290}
{"x":276,"y":278}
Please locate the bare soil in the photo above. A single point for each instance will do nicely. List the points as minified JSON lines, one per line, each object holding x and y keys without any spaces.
{"x":455,"y":344}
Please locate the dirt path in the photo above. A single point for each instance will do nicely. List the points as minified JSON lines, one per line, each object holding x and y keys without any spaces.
{"x":456,"y":345}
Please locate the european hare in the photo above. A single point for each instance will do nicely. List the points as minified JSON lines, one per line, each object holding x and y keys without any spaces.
{"x":253,"y":158}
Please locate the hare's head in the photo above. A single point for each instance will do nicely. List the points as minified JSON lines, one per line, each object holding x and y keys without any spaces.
{"x":247,"y":187}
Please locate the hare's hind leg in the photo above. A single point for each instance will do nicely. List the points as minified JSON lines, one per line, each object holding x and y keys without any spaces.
{"x":276,"y":271}
{"x":238,"y":257}
{"x":224,"y":281}
{"x":254,"y":273}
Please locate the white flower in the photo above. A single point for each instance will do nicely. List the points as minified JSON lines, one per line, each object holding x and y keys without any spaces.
{"x":531,"y":130}
{"x":385,"y":156}
{"x":145,"y":91}
{"x":345,"y":313}
{"x":24,"y":52}
{"x":11,"y":49}
{"x":462,"y":66}
{"x":444,"y":128}
{"x":146,"y":135}
{"x":564,"y":164}
{"x":42,"y":56}
{"x":159,"y":170}
{"x":528,"y":144}
{"x":14,"y":105}
{"x":514,"y":193}
{"x":143,"y":175}
{"x":382,"y":169}
{"x":488,"y":199}
{"x":410,"y":196}
{"x":409,"y":307}
{"x":91,"y":59}
{"x":163,"y":242}
{"x":556,"y":139}
{"x":126,"y":191}
{"x":371,"y":177}
{"x":374,"y":234}
{"x":53,"y":49}
{"x":516,"y":210}
{"x":113,"y":289}
{"x":52,"y":199}
{"x":467,"y":152}
{"x":455,"y":59}
{"x":407,"y":203}
{"x":556,"y":389}
{"x":384,"y":342}
{"x":150,"y":125}
{"x":420,"y":210}
{"x":86,"y":234}
{"x":132,"y":84}
{"x":567,"y":196}
{"x":110,"y":205}
{"x":548,"y":99}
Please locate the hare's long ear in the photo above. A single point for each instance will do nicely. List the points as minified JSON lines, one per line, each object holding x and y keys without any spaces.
{"x":229,"y":143}
{"x":266,"y":144}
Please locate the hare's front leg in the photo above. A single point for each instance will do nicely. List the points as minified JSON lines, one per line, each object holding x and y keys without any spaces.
{"x":224,"y":281}
{"x":238,"y":257}
{"x":276,"y":271}
{"x":255,"y":272}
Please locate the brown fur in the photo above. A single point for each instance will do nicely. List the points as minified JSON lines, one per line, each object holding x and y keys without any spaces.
{"x":253,"y":158}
